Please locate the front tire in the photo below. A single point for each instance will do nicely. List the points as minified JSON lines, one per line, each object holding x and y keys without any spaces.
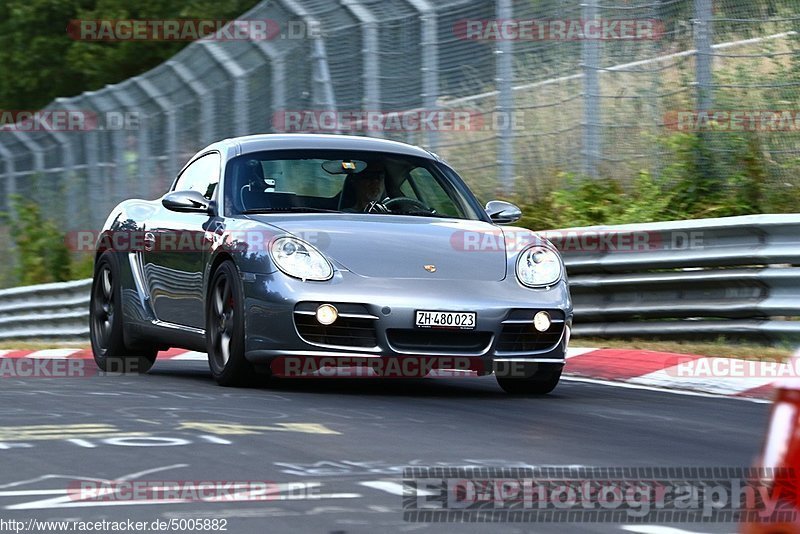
{"x":105,"y":323}
{"x":225,"y":328}
{"x":533,"y":379}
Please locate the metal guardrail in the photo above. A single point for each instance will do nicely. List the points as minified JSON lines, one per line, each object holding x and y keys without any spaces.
{"x":736,"y":276}
{"x":48,"y":311}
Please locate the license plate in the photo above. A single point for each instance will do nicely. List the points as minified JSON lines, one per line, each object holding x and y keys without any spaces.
{"x":446,"y":319}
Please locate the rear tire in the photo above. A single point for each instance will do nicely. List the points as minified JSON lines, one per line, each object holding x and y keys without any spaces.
{"x":225,"y":328}
{"x":105,"y":323}
{"x":535,"y":379}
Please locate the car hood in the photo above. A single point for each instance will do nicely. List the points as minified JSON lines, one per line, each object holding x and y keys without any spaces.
{"x":402,"y":246}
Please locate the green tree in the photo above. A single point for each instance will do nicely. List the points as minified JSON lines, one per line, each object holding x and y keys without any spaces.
{"x":41,"y":251}
{"x":41,"y":62}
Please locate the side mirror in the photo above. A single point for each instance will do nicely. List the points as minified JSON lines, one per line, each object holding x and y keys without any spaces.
{"x":186,"y":201}
{"x":501,"y":212}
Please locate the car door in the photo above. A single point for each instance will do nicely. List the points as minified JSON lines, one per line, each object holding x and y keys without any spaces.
{"x":176,"y":248}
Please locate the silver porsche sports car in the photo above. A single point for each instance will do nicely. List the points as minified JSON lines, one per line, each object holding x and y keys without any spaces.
{"x":291,"y":254}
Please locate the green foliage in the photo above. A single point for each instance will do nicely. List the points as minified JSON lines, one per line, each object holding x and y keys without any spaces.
{"x":41,"y":62}
{"x":41,"y":251}
{"x":82,"y":266}
{"x":689,"y":187}
{"x":38,"y":249}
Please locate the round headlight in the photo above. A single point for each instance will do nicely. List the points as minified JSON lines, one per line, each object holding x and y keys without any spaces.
{"x":538,"y":266}
{"x":299,"y":259}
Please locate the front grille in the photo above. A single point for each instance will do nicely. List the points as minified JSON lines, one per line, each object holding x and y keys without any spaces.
{"x":438,"y":341}
{"x":521,"y":336}
{"x":347,"y":331}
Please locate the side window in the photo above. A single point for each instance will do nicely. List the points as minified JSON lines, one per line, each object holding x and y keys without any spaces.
{"x":202,"y":176}
{"x":431,"y":192}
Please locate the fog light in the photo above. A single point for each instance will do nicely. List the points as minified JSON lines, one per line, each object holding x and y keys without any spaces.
{"x":541,"y":321}
{"x":327,"y":314}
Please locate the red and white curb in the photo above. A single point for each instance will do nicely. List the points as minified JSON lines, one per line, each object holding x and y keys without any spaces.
{"x":664,"y":370}
{"x":686,"y":372}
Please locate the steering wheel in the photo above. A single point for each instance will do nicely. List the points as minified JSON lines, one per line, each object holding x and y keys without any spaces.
{"x":405,"y":200}
{"x":376,"y":207}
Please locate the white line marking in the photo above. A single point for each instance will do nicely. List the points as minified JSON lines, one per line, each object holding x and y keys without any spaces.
{"x":52,"y":354}
{"x":191,"y":355}
{"x":575,"y":351}
{"x":656,"y":529}
{"x":48,"y":477}
{"x":26,"y":493}
{"x":391,"y":487}
{"x":660,"y":390}
{"x":134,"y":476}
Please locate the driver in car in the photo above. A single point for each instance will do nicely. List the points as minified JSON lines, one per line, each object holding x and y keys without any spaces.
{"x":367,"y":187}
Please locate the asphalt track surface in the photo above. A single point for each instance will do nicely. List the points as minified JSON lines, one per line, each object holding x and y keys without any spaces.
{"x":336,"y":448}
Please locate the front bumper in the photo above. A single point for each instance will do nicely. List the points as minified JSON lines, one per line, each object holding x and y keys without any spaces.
{"x":274,"y":301}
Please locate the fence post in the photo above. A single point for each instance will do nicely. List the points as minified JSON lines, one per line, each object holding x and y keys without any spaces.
{"x":135,"y":158}
{"x":236,"y":73}
{"x":369,"y":51}
{"x":36,"y":149}
{"x":203,"y":96}
{"x":95,"y":189}
{"x":10,"y":178}
{"x":430,"y":63}
{"x":703,"y":53}
{"x":591,"y":96}
{"x":278,"y":66}
{"x":505,"y":102}
{"x":323,"y":95}
{"x":172,"y":166}
{"x":68,"y":164}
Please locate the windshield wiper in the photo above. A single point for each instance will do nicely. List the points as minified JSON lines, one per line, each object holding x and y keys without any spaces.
{"x":290,"y":209}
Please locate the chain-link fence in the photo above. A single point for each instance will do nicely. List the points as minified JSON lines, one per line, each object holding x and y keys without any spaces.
{"x":590,"y":88}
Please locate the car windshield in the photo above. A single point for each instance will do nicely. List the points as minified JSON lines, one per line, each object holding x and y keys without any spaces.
{"x":345,"y":181}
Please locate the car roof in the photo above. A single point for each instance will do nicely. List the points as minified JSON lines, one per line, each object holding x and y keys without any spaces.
{"x":261,"y":142}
